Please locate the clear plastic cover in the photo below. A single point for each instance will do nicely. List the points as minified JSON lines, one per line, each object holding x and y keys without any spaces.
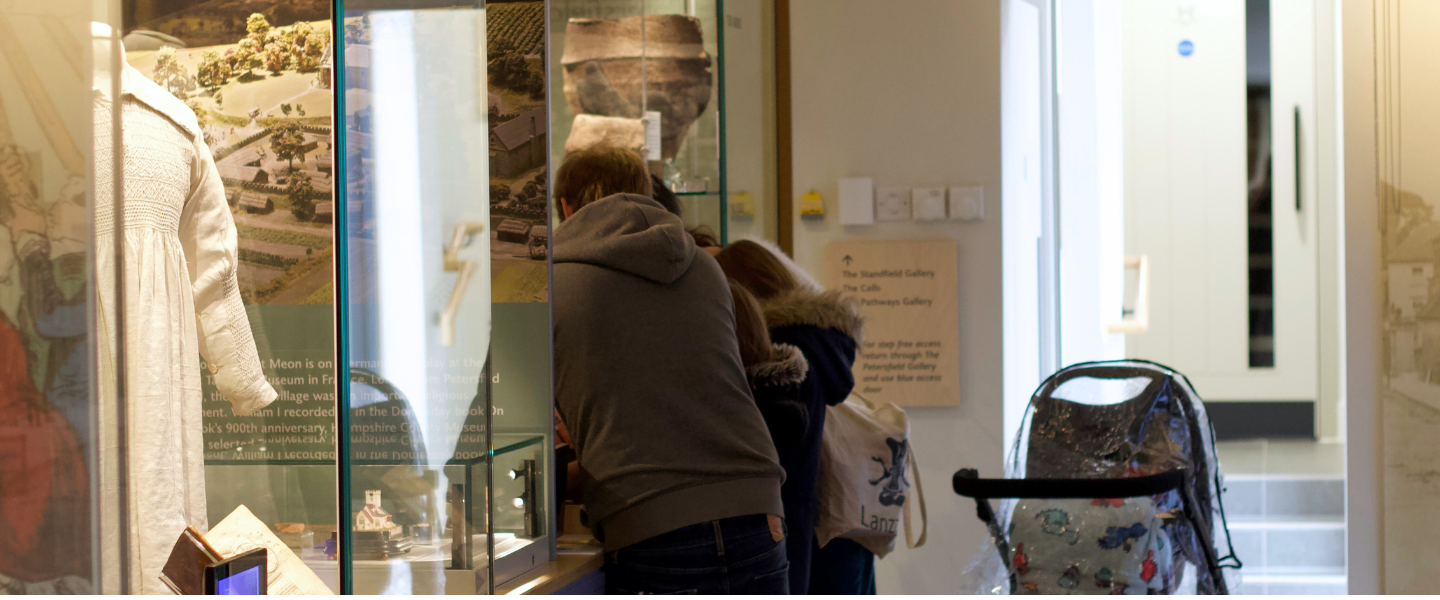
{"x":1107,"y":421}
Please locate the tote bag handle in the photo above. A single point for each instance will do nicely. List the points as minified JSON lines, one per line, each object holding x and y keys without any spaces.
{"x":910,"y":540}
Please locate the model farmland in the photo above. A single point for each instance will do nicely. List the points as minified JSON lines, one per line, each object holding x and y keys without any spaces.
{"x":519,"y":134}
{"x":264,"y":104}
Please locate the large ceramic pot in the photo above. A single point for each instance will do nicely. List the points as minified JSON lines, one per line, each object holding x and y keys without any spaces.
{"x":604,"y":73}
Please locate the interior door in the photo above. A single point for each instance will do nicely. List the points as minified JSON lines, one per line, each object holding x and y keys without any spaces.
{"x":1188,"y":166}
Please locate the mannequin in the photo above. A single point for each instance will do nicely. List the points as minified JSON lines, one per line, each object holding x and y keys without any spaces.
{"x":182,"y":301}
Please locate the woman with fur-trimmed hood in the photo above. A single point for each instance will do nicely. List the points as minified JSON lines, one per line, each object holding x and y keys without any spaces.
{"x":775,"y":372}
{"x":827,"y":329}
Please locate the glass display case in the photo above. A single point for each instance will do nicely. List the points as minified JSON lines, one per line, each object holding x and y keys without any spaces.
{"x":57,"y":87}
{"x":356,"y":362}
{"x":647,"y":74}
{"x":445,"y":298}
{"x":330,"y":334}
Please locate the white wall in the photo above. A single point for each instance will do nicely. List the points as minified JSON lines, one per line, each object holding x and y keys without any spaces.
{"x":909,"y":93}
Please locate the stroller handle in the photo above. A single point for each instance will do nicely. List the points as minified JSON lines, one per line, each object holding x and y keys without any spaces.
{"x":967,"y":484}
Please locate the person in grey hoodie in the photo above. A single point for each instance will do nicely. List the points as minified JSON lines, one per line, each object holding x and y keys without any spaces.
{"x":684,"y":482}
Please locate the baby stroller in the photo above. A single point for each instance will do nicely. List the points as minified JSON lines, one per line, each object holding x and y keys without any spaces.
{"x":1112,"y":487}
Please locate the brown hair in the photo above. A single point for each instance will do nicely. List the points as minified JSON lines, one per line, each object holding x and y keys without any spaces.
{"x":703,"y":238}
{"x":755,"y":267}
{"x":750,"y":328}
{"x":596,"y":172}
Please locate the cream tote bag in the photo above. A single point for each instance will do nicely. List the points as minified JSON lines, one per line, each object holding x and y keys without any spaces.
{"x":866,"y":469}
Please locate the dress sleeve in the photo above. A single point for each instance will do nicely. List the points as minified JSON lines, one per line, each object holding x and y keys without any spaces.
{"x":207,"y":233}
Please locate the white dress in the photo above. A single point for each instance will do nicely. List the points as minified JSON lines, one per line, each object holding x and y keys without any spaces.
{"x":182,"y":301}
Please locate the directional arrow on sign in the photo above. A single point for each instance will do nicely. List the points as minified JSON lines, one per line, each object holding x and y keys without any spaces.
{"x":847,"y":260}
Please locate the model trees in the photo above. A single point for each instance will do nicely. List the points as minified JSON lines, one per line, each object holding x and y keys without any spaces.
{"x":499,"y":193}
{"x":300,"y":34}
{"x":276,"y":57}
{"x":300,"y":192}
{"x":510,"y":70}
{"x":170,"y":74}
{"x":257,"y":26}
{"x":244,"y":58}
{"x":214,"y":71}
{"x":202,"y":118}
{"x":287,"y":142}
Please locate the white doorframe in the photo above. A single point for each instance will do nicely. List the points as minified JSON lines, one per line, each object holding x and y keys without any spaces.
{"x":1028,"y":213}
{"x":1364,"y":470}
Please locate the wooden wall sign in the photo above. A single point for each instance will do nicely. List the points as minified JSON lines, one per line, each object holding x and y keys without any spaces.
{"x":908,"y":290}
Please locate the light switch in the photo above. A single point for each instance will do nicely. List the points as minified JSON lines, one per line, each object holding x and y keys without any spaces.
{"x":857,"y":201}
{"x":967,"y":203}
{"x":928,"y":204}
{"x":892,"y":204}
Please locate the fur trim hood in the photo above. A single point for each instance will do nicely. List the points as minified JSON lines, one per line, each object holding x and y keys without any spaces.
{"x":823,"y":309}
{"x":786,"y":367}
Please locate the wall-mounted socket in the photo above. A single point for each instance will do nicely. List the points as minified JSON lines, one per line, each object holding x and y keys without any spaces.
{"x":892,"y":204}
{"x":928,"y":204}
{"x":967,"y":203}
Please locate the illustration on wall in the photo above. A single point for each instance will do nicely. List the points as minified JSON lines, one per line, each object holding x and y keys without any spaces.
{"x":46,"y":433}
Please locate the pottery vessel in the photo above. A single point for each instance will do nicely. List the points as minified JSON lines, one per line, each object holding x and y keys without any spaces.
{"x":610,"y":72}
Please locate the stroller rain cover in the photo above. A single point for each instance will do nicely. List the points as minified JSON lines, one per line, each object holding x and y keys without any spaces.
{"x":1098,"y":421}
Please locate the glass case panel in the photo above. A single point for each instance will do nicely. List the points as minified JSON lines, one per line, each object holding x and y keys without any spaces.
{"x":628,"y":65}
{"x":446,"y":295}
{"x":750,"y":120}
{"x":56,"y":82}
{"x":255,"y":84}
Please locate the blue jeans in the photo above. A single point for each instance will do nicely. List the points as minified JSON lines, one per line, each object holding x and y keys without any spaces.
{"x":730,"y":556}
{"x":842,"y":568}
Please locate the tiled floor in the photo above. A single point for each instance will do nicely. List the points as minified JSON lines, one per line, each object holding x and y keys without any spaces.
{"x":1285,"y":501}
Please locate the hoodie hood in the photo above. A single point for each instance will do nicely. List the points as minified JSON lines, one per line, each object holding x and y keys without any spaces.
{"x":777,"y":386}
{"x":824,"y":309}
{"x":786,"y":367}
{"x":629,"y":233}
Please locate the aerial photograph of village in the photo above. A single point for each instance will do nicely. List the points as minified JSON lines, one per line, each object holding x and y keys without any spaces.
{"x":259,"y":83}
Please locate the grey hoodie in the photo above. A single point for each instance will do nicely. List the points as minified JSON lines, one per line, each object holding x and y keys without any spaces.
{"x":648,"y":376}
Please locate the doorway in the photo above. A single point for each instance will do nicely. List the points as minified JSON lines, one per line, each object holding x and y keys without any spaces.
{"x":1199,"y":228}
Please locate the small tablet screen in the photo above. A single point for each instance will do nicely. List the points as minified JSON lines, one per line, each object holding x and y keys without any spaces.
{"x":244,"y":583}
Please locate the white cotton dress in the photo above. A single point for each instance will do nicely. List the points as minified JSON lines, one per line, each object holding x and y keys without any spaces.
{"x":182,"y":302}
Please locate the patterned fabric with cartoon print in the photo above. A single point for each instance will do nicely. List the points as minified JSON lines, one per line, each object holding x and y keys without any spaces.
{"x":1101,"y":546}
